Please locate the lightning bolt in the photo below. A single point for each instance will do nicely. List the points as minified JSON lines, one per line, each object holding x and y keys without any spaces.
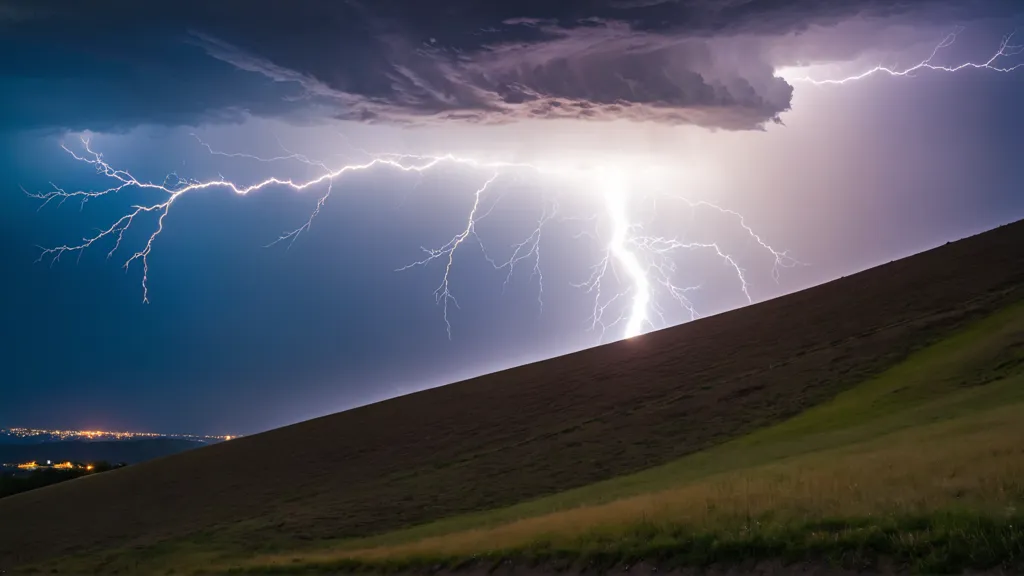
{"x":1006,"y":50}
{"x":443,"y":293}
{"x":615,"y":201}
{"x":646,"y":261}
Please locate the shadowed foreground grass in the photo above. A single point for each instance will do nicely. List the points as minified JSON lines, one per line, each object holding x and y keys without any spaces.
{"x":935,"y":543}
{"x":922,"y":467}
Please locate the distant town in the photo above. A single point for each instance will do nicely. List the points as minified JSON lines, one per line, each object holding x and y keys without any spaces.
{"x":25,"y":449}
{"x":43,"y":435}
{"x":17,"y":478}
{"x":32,"y":466}
{"x":32,"y":458}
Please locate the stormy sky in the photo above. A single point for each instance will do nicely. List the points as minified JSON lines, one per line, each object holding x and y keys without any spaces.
{"x":694,"y":99}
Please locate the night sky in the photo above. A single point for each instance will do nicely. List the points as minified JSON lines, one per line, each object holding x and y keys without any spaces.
{"x":685,"y":98}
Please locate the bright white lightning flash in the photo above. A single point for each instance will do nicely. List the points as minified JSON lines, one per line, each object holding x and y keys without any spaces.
{"x":1006,"y":50}
{"x":645,"y":260}
{"x":615,"y":200}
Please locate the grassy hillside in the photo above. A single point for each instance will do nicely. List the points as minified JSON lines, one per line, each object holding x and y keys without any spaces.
{"x":922,"y":466}
{"x":538,"y":430}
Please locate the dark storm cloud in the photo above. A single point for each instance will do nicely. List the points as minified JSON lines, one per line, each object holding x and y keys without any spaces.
{"x":115,"y":63}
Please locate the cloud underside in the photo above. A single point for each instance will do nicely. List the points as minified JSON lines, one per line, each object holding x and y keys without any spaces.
{"x":722,"y":117}
{"x":604,"y":72}
{"x":692,"y":62}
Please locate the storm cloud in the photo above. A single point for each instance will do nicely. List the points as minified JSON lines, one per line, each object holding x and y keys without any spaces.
{"x":116,"y":64}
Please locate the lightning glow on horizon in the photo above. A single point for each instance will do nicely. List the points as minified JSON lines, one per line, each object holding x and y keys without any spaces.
{"x":646,"y":261}
{"x":1006,"y":50}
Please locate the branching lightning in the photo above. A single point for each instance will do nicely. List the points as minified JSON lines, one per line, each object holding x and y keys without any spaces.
{"x":995,"y":63}
{"x":646,"y":261}
{"x":443,"y":294}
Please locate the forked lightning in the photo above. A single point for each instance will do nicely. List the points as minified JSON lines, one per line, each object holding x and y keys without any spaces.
{"x":994,"y":64}
{"x":646,"y":261}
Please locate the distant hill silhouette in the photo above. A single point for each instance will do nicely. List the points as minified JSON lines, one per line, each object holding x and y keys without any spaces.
{"x":127,"y":451}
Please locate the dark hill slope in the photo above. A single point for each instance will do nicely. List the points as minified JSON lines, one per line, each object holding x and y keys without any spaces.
{"x":532,"y":430}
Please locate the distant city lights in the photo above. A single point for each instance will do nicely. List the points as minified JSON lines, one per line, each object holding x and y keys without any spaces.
{"x":34,"y":465}
{"x":60,"y":435}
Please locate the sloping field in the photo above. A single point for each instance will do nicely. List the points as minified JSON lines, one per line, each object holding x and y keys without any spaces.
{"x":527,"y":432}
{"x":919,"y":468}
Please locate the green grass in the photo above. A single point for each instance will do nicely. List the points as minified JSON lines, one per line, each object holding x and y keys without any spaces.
{"x":935,"y":543}
{"x":922,"y":465}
